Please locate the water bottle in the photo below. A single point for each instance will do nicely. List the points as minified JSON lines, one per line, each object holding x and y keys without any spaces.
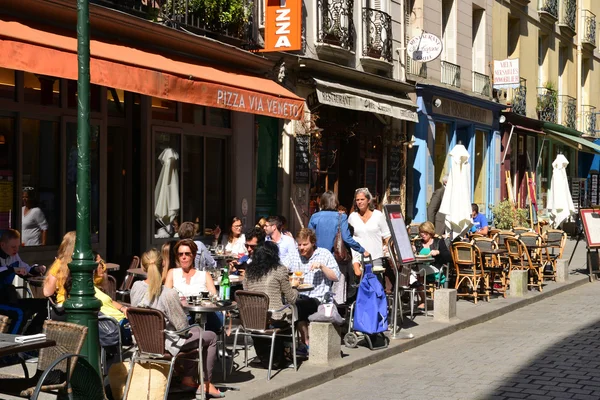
{"x":224,"y":285}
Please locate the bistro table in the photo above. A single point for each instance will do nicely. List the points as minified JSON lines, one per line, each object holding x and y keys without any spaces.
{"x":138,"y":272}
{"x":10,"y":347}
{"x":200,"y":311}
{"x":112,"y":266}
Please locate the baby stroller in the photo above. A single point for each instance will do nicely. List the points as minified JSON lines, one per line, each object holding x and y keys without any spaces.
{"x":368,"y":315}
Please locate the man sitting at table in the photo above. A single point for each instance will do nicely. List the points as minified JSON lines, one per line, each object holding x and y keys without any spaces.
{"x":203,"y":260}
{"x":285,"y":243}
{"x":255,"y":237}
{"x":320,"y":270}
{"x":480,"y":222}
{"x":11,"y":304}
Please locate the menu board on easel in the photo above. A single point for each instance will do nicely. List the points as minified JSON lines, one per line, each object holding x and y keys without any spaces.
{"x":371,"y":175}
{"x":397,"y":225}
{"x":301,"y":167}
{"x":591,"y":225}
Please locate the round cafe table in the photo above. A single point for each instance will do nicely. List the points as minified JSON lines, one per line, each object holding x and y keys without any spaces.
{"x":112,"y":266}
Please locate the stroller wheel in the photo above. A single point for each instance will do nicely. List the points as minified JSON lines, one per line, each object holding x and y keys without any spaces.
{"x":351,"y":340}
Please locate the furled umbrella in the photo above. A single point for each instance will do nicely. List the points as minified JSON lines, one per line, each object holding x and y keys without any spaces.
{"x":166,"y":192}
{"x":456,"y":203}
{"x":560,"y":204}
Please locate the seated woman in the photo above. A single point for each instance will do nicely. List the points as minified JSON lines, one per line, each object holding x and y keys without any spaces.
{"x":169,"y":261}
{"x":269,"y":276}
{"x":56,"y":282}
{"x":151,"y":293}
{"x":109,"y":306}
{"x":188,"y":281}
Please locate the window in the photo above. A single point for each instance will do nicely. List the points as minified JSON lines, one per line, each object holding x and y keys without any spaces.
{"x":7,"y":83}
{"x":440,"y":149}
{"x":514,"y":35}
{"x":193,"y":114}
{"x":167,"y":150}
{"x":72,"y":96}
{"x":7,"y":173}
{"x":216,"y":181}
{"x":480,"y":169}
{"x":478,"y":41}
{"x":41,"y":183}
{"x":449,"y":31}
{"x":115,"y":102}
{"x":219,"y":117}
{"x":164,"y":110}
{"x":543,"y":47}
{"x":40,"y":89}
{"x":193,"y":178}
{"x":71,"y":179}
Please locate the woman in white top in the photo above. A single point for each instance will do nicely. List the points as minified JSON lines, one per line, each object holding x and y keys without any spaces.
{"x":33,"y":222}
{"x":235,"y":240}
{"x":370,"y":229}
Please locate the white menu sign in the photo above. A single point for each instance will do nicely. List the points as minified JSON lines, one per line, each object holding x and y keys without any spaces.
{"x":397,"y":226}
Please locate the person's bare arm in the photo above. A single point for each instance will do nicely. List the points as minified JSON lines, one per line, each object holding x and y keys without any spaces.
{"x":44,"y":235}
{"x":169,"y":280}
{"x":210,"y":284}
{"x":49,"y":286}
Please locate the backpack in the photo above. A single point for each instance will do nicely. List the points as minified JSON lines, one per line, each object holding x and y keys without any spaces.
{"x":370,"y":311}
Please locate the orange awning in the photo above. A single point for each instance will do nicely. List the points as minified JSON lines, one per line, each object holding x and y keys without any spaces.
{"x":28,"y":49}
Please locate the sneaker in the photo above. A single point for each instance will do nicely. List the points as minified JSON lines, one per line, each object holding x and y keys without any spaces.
{"x":302,"y":350}
{"x":377,"y":270}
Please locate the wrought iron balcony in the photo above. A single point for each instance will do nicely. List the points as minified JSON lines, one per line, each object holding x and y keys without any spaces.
{"x":519,"y":98}
{"x":377,"y":34}
{"x":189,"y":15}
{"x":547,"y":104}
{"x":548,"y":9}
{"x":588,"y":120}
{"x":567,"y":106}
{"x":335,"y":26}
{"x":589,"y":28}
{"x":450,"y":74}
{"x":568,"y":14}
{"x":481,"y":84}
{"x":416,"y":68}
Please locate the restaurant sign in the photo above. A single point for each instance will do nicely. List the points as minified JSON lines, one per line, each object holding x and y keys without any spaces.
{"x":452,"y":108}
{"x":506,"y":73}
{"x":283,"y":25}
{"x":424,"y":47}
{"x":256,"y":103}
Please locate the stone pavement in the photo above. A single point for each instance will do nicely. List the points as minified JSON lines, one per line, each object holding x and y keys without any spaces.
{"x":547,"y":350}
{"x":252,"y":381}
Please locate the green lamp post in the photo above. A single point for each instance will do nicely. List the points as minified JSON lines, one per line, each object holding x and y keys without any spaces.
{"x":82,"y":306}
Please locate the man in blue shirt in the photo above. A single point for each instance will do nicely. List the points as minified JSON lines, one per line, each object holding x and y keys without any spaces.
{"x":480,"y":222}
{"x":285,"y":243}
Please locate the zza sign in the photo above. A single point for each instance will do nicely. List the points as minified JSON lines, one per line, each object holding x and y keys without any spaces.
{"x":424,"y":47}
{"x":283,"y":25}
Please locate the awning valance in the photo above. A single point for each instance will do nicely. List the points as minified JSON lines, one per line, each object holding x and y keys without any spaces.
{"x":28,"y":49}
{"x":338,"y":95}
{"x":575,"y":142}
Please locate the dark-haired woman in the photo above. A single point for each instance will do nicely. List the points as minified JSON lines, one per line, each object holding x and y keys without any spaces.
{"x":234,"y":241}
{"x":267,"y":275}
{"x":325,"y":224}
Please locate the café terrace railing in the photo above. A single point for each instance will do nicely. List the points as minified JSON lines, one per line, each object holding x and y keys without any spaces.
{"x":568,"y":14}
{"x":481,"y":84}
{"x":377,"y":34}
{"x":335,"y":23}
{"x":450,"y":74}
{"x":549,"y":7}
{"x":588,"y":120}
{"x":547,"y":104}
{"x":416,"y":68}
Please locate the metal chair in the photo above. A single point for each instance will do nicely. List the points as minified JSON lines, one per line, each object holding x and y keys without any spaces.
{"x":469,"y":270}
{"x":519,"y":258}
{"x":111,"y":287}
{"x":492,"y":264}
{"x":105,"y":319}
{"x":125,"y":288}
{"x":556,"y":240}
{"x":69,"y":339}
{"x":149,"y":329}
{"x":254,"y":322}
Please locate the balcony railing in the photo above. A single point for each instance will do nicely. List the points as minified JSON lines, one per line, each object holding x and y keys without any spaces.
{"x":335,"y":23}
{"x":188,"y":15}
{"x":568,"y":14}
{"x":481,"y":84}
{"x":416,"y":68}
{"x":567,"y":106}
{"x":547,"y":104}
{"x":589,"y":27}
{"x":519,"y":98}
{"x":450,"y":74}
{"x":549,"y":7}
{"x":588,"y":120}
{"x":377,"y":34}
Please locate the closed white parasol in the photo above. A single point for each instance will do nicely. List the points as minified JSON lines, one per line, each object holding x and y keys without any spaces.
{"x":166,"y":192}
{"x":456,"y":203}
{"x":560,"y":204}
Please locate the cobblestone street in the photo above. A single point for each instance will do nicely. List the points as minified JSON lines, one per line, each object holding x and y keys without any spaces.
{"x":548,"y":350}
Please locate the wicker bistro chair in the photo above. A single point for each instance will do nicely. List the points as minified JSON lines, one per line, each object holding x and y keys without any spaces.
{"x":111,"y":287}
{"x":149,"y":328}
{"x":518,"y":230}
{"x":520,"y":258}
{"x":492,"y":266}
{"x":500,"y":236}
{"x":493,"y":232}
{"x":469,"y":270}
{"x":254,"y":321}
{"x":69,"y":339}
{"x":556,"y":240}
{"x":4,"y":323}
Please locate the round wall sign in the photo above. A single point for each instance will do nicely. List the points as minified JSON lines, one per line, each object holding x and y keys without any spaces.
{"x":424,"y":47}
{"x":244,"y":207}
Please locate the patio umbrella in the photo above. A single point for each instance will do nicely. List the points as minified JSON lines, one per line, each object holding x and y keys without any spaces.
{"x":456,"y":203}
{"x":166,"y":192}
{"x":560,"y":203}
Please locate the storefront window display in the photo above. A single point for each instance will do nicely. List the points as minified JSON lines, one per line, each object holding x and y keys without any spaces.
{"x":440,"y":149}
{"x":7,"y":173}
{"x":480,"y":161}
{"x":7,"y":84}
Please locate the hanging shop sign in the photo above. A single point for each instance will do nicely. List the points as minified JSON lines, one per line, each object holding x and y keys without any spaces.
{"x":506,"y":73}
{"x":283,"y":25}
{"x":424,"y":47}
{"x":452,"y":108}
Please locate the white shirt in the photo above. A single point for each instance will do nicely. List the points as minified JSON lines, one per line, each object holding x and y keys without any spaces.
{"x":197,"y":283}
{"x":32,"y":226}
{"x":370,"y":235}
{"x":238,"y":246}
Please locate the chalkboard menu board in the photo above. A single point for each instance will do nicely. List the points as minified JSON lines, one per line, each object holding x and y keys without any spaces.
{"x":302,"y":156}
{"x":394,"y":171}
{"x":371,"y":175}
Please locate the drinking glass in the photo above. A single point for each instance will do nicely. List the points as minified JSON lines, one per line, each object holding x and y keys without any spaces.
{"x":220,"y":250}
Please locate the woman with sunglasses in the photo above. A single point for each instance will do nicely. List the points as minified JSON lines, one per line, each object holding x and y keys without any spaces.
{"x":188,"y":281}
{"x":234,"y":241}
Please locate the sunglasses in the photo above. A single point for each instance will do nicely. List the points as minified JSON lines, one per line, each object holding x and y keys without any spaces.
{"x":251,"y":246}
{"x":236,"y":226}
{"x":187,"y":254}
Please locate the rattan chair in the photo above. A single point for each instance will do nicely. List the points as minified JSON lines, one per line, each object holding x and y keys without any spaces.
{"x":148,"y":327}
{"x":413,"y":231}
{"x":105,"y":319}
{"x":520,"y":258}
{"x":254,"y":322}
{"x":493,"y":232}
{"x":111,"y":287}
{"x":125,"y":288}
{"x":520,"y":229}
{"x":469,"y":270}
{"x":500,"y":236}
{"x":69,"y":339}
{"x":498,"y":273}
{"x":4,"y":323}
{"x":556,"y":240}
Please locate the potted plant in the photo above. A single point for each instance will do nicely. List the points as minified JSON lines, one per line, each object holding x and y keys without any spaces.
{"x":506,"y":216}
{"x":547,"y":103}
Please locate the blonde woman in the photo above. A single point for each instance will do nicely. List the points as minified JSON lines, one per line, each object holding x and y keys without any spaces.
{"x":151,"y":293}
{"x":58,"y":274}
{"x":168,"y":262}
